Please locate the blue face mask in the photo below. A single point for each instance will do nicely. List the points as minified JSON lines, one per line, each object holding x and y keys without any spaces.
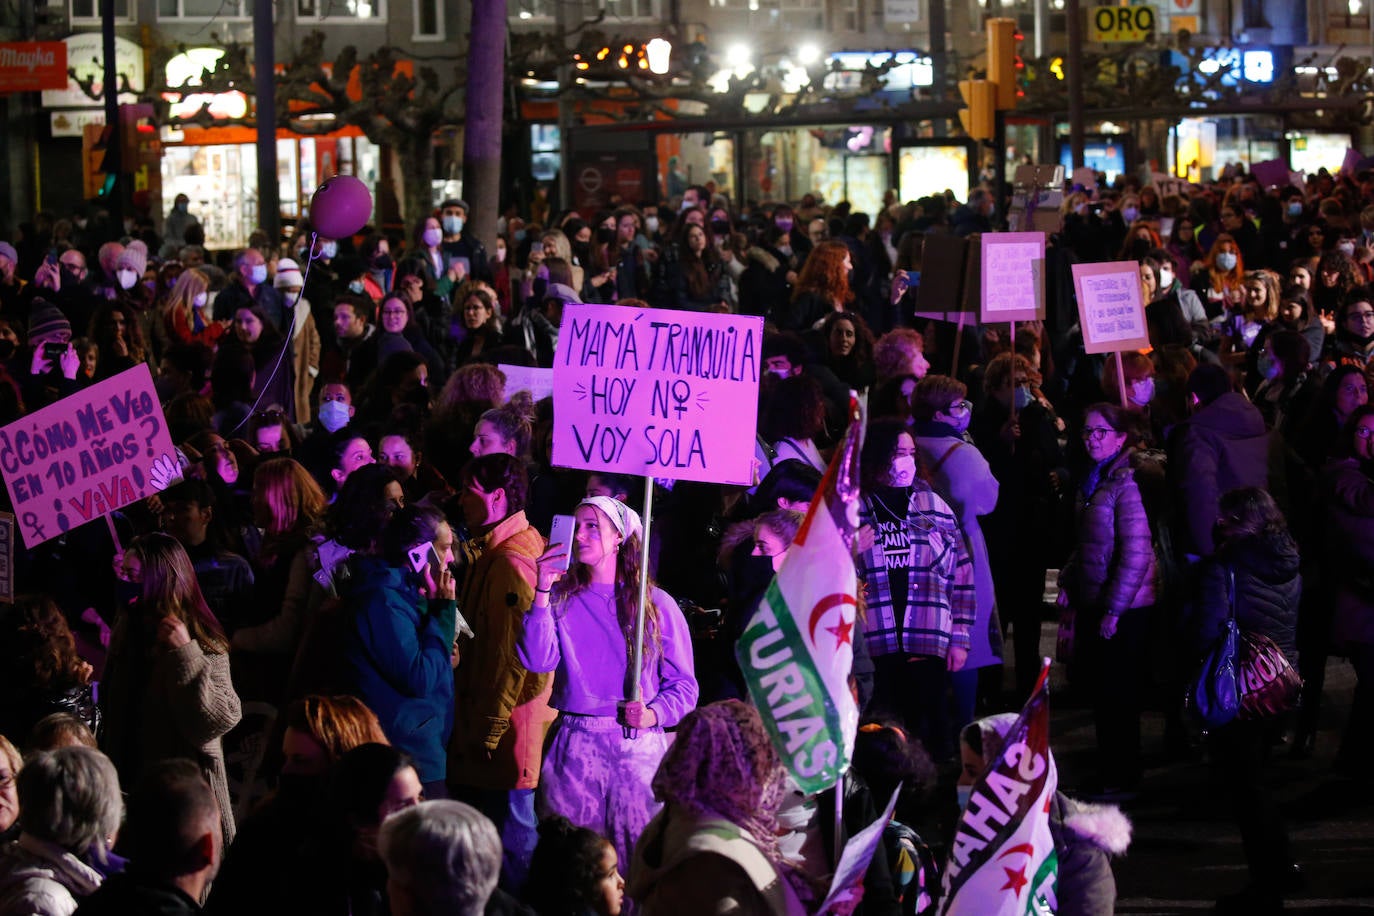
{"x":1130,"y":214}
{"x":1295,"y":208}
{"x":355,"y":287}
{"x":1227,"y":260}
{"x":452,"y":224}
{"x":1021,"y":398}
{"x":334,"y":415}
{"x":329,"y":250}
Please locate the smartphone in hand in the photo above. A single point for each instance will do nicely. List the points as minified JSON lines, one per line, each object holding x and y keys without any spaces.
{"x":562,"y":534}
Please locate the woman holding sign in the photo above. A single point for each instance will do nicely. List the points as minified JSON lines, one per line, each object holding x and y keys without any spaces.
{"x":606,"y":746}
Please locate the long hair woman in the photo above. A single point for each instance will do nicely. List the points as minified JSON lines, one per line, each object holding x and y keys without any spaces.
{"x":581,"y":625}
{"x":823,"y":287}
{"x":187,"y":314}
{"x":167,"y":691}
{"x":40,"y":670}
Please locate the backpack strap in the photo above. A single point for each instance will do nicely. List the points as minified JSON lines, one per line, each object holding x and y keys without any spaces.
{"x":935,"y":468}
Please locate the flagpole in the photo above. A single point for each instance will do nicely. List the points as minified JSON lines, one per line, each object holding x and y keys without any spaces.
{"x":637,"y":656}
{"x":839,"y":819}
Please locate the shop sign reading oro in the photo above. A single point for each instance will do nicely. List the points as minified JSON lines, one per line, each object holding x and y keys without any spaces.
{"x":1120,"y":24}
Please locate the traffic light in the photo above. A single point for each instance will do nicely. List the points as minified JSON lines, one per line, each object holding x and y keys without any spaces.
{"x":1002,"y":61}
{"x":980,"y":97}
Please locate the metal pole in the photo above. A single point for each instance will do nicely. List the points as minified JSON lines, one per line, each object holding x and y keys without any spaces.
{"x":565,"y":109}
{"x":1041,"y":44}
{"x":999,"y":167}
{"x":637,"y":655}
{"x":939,"y":59}
{"x":265,"y":109}
{"x":1073,"y":66}
{"x":114,"y":148}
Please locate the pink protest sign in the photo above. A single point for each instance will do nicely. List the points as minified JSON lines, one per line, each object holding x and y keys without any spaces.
{"x":1111,"y":307}
{"x":1013,"y":276}
{"x":657,"y":393}
{"x":86,"y":455}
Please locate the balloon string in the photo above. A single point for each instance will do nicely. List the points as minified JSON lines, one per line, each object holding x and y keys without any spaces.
{"x":286,"y":344}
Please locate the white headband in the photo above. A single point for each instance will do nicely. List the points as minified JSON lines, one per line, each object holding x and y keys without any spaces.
{"x":625,"y":519}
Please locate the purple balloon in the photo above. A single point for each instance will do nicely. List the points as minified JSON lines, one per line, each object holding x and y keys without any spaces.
{"x":341,"y":206}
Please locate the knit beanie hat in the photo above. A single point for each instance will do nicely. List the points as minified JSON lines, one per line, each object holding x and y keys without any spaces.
{"x":46,"y":319}
{"x":134,"y":257}
{"x":288,"y":274}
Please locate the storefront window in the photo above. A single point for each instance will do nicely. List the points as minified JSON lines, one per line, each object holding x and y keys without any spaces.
{"x":923,"y":171}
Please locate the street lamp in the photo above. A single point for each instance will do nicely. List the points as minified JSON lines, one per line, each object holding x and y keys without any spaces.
{"x":659,"y":51}
{"x":808,"y":54}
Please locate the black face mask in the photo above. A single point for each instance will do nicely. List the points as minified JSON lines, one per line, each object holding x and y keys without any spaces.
{"x":752,"y":574}
{"x":6,"y":349}
{"x":383,"y":262}
{"x":69,"y":278}
{"x":1140,"y":248}
{"x":720,"y":226}
{"x":605,"y":236}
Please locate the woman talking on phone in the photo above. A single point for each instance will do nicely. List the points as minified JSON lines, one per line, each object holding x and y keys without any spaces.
{"x":606,"y":747}
{"x":401,"y":617}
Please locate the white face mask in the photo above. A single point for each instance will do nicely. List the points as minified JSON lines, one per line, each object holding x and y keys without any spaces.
{"x":258,"y":274}
{"x":651,"y":224}
{"x":903,"y":471}
{"x":126,"y":278}
{"x":1166,"y":279}
{"x":500,"y":255}
{"x":199,"y":300}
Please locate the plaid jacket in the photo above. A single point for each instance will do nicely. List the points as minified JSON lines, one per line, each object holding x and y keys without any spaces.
{"x":940,"y":601}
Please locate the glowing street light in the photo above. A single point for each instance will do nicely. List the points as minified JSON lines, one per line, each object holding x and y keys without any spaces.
{"x":659,"y":51}
{"x":808,"y":54}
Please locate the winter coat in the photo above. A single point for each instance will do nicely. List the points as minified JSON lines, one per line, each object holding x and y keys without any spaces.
{"x":1086,"y":837}
{"x":1222,"y":446}
{"x":308,"y":346}
{"x":39,"y":878}
{"x":1113,"y":568}
{"x":1350,"y":550}
{"x":396,"y":649}
{"x":128,"y":895}
{"x":22,"y":707}
{"x":941,"y":605}
{"x":503,"y":710}
{"x":683,"y":865}
{"x":1268,"y":589}
{"x":161,"y":703}
{"x":964,"y":480}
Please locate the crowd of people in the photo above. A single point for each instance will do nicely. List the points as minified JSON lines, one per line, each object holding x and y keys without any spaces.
{"x":338,"y":668}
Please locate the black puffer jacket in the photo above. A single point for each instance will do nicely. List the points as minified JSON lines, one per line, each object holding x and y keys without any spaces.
{"x":1222,"y":446}
{"x":1114,"y":567}
{"x":1349,"y":532}
{"x":1268,"y":588}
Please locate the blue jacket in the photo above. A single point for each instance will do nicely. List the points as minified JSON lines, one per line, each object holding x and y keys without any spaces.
{"x":396,"y":652}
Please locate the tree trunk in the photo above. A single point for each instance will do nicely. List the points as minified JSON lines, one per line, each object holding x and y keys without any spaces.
{"x":482,"y":124}
{"x":417,"y":164}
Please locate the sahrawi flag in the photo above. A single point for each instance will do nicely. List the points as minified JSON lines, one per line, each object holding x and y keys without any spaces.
{"x":798,"y":649}
{"x":1003,"y":860}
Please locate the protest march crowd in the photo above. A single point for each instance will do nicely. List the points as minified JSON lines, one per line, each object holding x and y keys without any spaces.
{"x":335,"y":664}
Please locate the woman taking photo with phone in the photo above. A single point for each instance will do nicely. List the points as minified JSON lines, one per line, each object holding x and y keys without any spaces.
{"x":606,"y":747}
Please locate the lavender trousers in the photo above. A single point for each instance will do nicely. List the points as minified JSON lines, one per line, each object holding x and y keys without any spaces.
{"x":599,"y":779}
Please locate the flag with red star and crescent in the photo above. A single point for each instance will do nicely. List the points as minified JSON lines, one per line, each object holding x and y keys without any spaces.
{"x":1003,"y":861}
{"x":798,"y":648}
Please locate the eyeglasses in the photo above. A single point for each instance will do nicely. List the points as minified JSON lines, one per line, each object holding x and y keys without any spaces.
{"x":1097,"y":433}
{"x":394,"y":313}
{"x":1361,"y":316}
{"x":960,"y":406}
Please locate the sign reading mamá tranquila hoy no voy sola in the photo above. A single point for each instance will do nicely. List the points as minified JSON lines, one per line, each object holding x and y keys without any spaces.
{"x":657,"y":392}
